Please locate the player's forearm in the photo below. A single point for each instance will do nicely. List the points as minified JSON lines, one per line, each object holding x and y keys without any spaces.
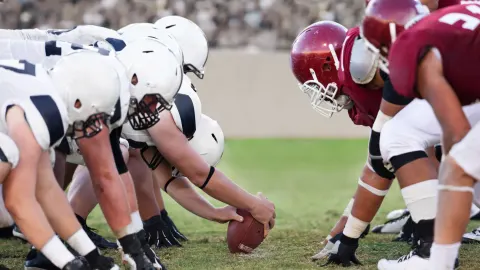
{"x":225,"y":190}
{"x":106,"y":180}
{"x":185,"y":195}
{"x":25,"y":34}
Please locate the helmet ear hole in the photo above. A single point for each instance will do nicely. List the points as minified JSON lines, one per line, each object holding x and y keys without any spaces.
{"x":134,"y":80}
{"x":78,"y":104}
{"x":329,"y":59}
{"x":326,"y":67}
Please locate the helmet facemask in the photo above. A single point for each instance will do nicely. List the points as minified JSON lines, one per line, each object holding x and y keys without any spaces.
{"x":90,"y":127}
{"x":146,"y":113}
{"x":322,"y":98}
{"x":191,"y":68}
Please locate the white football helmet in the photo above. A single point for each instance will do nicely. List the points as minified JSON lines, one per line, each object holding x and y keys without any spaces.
{"x":136,"y":31}
{"x":209,"y":141}
{"x":192,"y":40}
{"x":89,"y":84}
{"x":156,"y":77}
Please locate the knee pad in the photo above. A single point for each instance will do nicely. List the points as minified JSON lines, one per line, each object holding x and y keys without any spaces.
{"x":8,"y":150}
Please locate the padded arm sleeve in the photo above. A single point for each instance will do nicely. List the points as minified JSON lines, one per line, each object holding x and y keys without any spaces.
{"x":117,"y":152}
{"x":25,"y":34}
{"x":389,"y":94}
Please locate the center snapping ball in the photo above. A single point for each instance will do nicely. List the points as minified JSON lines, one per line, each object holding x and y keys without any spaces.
{"x":244,"y":237}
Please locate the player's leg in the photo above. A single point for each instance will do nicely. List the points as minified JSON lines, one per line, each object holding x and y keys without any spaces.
{"x":62,"y":219}
{"x":158,"y":233}
{"x":111,"y":194}
{"x":403,"y":143}
{"x":458,"y":173}
{"x":19,"y":192}
{"x":59,"y":167}
{"x":81,"y":194}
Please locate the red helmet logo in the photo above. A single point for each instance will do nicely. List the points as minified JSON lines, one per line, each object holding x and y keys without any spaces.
{"x":385,"y":19}
{"x":314,"y":59}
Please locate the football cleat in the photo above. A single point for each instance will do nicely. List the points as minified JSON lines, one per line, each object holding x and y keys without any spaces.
{"x":17,"y":233}
{"x":78,"y":263}
{"x":407,"y":232}
{"x":392,"y":226}
{"x":97,"y":239}
{"x":472,"y":237}
{"x":416,"y":259}
{"x":35,"y":261}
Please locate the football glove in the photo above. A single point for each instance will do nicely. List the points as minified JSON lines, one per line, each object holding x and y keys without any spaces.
{"x":158,"y":234}
{"x":345,"y":254}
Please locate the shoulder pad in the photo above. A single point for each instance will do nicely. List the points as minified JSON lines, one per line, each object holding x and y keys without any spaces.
{"x":187,"y":108}
{"x":363,"y":63}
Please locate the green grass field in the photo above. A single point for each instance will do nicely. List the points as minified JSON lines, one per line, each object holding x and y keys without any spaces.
{"x":310,"y":182}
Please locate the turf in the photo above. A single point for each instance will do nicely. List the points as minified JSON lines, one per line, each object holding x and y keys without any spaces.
{"x":310,"y":182}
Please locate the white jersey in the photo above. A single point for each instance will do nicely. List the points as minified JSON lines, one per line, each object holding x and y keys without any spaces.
{"x":30,"y":87}
{"x":83,"y":34}
{"x":186,"y":112}
{"x":40,"y":52}
{"x":48,"y":53}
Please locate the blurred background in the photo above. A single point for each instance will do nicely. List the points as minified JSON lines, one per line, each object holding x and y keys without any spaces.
{"x":254,"y":24}
{"x":248,"y":87}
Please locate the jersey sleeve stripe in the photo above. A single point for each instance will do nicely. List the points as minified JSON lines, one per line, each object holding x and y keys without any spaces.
{"x":186,"y":110}
{"x":48,"y":109}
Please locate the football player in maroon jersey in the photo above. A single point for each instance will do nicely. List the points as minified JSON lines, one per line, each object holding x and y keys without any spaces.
{"x":425,"y":64}
{"x":337,"y":72}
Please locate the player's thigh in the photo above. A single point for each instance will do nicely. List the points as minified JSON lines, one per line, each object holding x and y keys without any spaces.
{"x":466,"y":153}
{"x":413,"y":129}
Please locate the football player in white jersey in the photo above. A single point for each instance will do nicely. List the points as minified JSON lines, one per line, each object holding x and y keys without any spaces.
{"x":39,"y":108}
{"x":148,"y":89}
{"x":193,"y":42}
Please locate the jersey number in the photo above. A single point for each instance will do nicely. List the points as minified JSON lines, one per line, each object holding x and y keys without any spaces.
{"x":21,"y":66}
{"x":470,"y":22}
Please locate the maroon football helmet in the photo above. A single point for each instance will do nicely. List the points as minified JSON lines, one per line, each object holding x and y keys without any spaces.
{"x":384,"y":20}
{"x":314,"y":61}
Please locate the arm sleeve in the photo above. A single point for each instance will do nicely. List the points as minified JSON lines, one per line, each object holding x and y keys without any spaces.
{"x":117,"y":152}
{"x":389,"y":94}
{"x":32,"y":51}
{"x":25,"y":34}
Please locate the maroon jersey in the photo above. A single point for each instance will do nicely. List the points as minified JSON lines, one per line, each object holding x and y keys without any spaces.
{"x":447,"y":3}
{"x":455,"y":32}
{"x":366,"y":101}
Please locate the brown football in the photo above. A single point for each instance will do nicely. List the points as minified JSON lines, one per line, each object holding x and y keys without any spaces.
{"x":244,"y":237}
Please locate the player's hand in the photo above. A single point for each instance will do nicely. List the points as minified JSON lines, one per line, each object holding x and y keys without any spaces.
{"x":264,"y":212}
{"x":158,"y":234}
{"x":227,"y":213}
{"x":345,"y":254}
{"x":171,"y":226}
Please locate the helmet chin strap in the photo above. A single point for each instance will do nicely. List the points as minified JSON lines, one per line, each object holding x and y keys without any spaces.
{"x":334,"y":55}
{"x":393,"y":31}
